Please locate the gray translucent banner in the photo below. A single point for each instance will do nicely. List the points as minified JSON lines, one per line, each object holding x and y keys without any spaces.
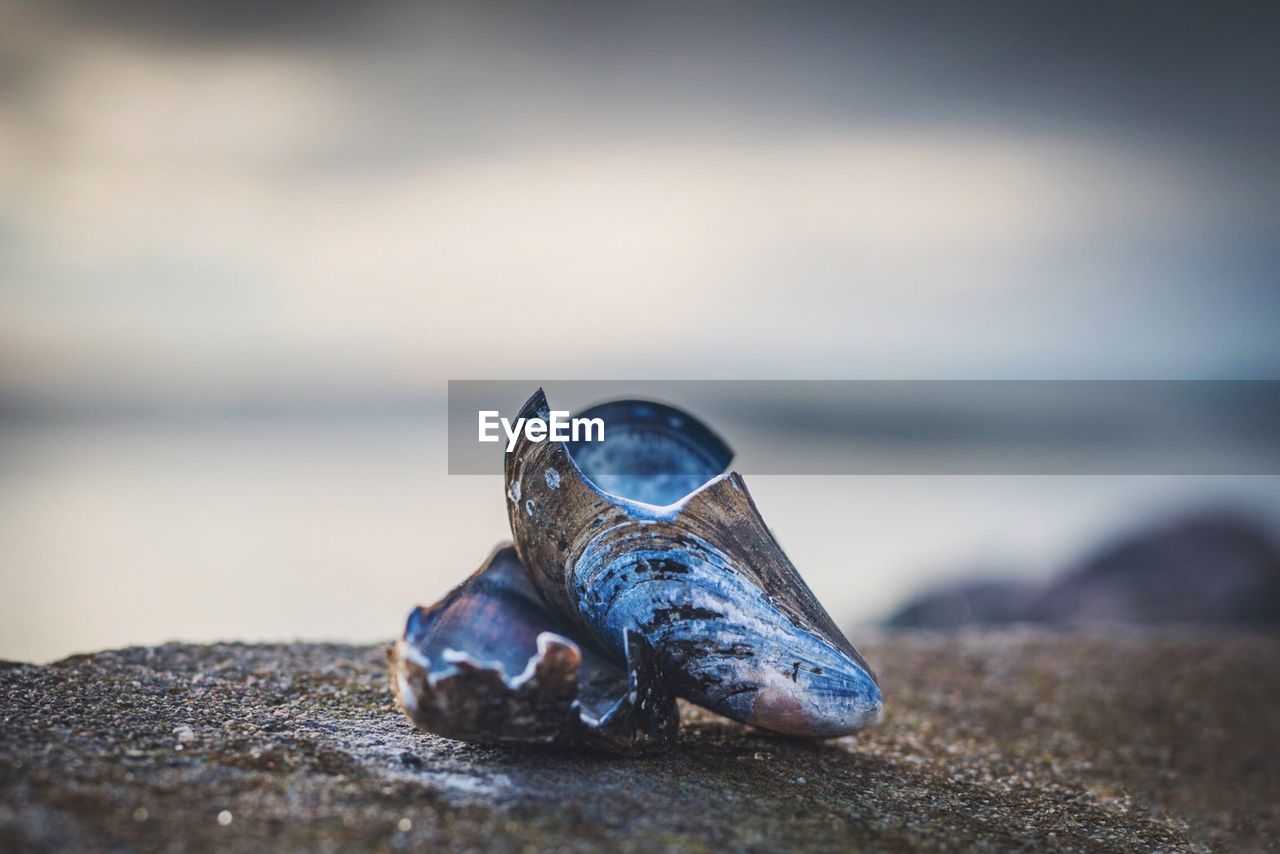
{"x":1005,"y":427}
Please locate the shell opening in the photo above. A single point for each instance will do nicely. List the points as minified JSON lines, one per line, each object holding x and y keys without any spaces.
{"x":651,"y":453}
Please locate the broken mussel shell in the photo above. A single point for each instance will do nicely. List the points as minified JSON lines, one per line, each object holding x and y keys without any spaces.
{"x":490,"y":663}
{"x":641,"y":571}
{"x":645,"y":534}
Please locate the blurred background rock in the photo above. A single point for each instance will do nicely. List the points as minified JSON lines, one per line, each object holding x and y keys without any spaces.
{"x":1209,"y":569}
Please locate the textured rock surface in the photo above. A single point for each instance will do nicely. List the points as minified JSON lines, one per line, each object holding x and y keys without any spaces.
{"x":1013,"y":740}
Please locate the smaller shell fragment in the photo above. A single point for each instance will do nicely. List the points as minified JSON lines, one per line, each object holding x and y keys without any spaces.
{"x":490,"y":663}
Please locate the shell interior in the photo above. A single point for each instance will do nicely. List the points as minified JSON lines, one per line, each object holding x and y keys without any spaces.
{"x":651,"y":453}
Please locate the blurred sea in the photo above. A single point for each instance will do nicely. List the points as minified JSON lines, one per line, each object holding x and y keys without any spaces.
{"x":118,"y":531}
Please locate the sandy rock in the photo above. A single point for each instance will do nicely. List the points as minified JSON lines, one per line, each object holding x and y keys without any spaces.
{"x":1015,"y":740}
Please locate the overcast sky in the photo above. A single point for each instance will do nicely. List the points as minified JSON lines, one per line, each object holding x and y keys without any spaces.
{"x":249,"y":200}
